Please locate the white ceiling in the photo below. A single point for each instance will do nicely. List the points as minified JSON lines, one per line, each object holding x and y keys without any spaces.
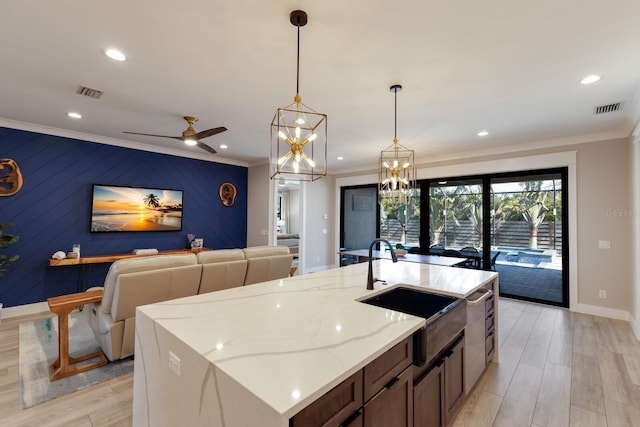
{"x":510,"y":67}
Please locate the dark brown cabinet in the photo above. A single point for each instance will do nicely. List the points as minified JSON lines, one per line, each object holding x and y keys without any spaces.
{"x":380,"y":394}
{"x":439,"y":389}
{"x":428,"y":406}
{"x":334,"y":408}
{"x":393,"y":405}
{"x":453,"y":379}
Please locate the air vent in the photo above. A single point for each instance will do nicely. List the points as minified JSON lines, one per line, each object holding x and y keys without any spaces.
{"x":91,"y":93}
{"x":602,"y":109}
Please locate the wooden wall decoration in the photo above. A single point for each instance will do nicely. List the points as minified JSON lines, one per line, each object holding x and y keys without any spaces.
{"x":227,"y":194}
{"x":10,"y":177}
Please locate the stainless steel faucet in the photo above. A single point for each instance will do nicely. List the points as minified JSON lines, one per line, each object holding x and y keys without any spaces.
{"x":394,"y":258}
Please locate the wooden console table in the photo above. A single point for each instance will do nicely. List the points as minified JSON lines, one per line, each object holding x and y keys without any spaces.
{"x":63,"y":366}
{"x":100,"y":259}
{"x":85,"y":262}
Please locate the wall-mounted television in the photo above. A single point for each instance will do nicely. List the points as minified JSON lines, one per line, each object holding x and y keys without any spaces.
{"x":121,"y":208}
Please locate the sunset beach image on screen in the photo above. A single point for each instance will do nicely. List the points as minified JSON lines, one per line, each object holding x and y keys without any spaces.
{"x":122,"y":208}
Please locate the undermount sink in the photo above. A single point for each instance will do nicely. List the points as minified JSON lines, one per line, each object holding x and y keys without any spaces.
{"x":445,"y":317}
{"x":411,"y":301}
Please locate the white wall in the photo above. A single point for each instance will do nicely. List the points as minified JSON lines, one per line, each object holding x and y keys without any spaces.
{"x":318,"y":237}
{"x":316,"y":199}
{"x":635,"y":230}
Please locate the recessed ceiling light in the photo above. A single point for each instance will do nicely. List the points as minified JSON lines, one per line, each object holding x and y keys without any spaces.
{"x":483,"y":133}
{"x":340,"y":158}
{"x":224,"y":146}
{"x":590,"y":79}
{"x":115,"y":54}
{"x":74,"y":115}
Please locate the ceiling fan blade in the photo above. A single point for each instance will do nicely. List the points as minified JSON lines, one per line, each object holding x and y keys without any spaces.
{"x":205,"y":147}
{"x":179,"y":138}
{"x":210,"y":132}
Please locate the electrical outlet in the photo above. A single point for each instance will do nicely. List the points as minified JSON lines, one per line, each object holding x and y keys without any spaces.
{"x":604,"y":244}
{"x":602,"y":294}
{"x":174,"y":363}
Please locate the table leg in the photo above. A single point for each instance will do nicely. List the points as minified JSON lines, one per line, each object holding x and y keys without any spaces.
{"x":63,"y":367}
{"x":61,"y":364}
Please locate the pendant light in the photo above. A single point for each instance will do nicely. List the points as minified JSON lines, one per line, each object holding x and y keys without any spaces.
{"x":298,"y":133}
{"x":397,"y":171}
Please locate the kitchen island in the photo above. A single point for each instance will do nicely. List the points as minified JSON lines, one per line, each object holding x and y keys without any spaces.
{"x":259,"y":354}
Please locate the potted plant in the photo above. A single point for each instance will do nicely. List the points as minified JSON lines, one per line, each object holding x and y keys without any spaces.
{"x":6,"y":240}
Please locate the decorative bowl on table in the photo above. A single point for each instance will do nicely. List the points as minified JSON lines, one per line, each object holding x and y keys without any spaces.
{"x":401,"y":252}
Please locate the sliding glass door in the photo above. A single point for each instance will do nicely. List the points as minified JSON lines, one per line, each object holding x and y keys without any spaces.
{"x":513,"y":223}
{"x":400,"y":220}
{"x":359,"y":216}
{"x":527,"y":228}
{"x":455,"y":214}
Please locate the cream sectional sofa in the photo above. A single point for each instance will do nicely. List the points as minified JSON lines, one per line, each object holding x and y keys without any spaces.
{"x":133,"y":282}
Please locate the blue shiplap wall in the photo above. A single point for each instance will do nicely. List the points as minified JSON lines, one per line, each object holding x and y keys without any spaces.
{"x":52,"y":211}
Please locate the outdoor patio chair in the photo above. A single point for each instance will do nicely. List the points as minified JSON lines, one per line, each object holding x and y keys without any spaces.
{"x":436,"y":249}
{"x":494,"y":257}
{"x":471,"y":262}
{"x":452,"y":252}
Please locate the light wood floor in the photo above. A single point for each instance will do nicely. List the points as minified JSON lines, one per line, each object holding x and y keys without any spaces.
{"x":106,"y":404}
{"x":557,"y":369}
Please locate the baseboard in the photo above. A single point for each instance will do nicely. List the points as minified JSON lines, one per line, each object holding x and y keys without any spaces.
{"x":320,"y":268}
{"x":25,"y":310}
{"x":611,"y":313}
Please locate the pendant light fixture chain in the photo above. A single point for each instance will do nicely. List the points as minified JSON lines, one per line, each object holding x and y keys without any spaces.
{"x":299,"y":19}
{"x":395,"y":89}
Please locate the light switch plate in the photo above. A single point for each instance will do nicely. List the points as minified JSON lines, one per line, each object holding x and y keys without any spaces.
{"x":604,"y":244}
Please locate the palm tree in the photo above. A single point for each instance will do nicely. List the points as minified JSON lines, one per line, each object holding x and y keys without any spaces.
{"x":530,"y":204}
{"x":152,"y":201}
{"x":534,"y":216}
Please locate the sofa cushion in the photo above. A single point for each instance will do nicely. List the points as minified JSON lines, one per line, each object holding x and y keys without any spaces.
{"x":264,"y":251}
{"x":222,"y":275}
{"x":147,"y":287}
{"x":132,"y":265}
{"x":268,"y":268}
{"x":220,"y":255}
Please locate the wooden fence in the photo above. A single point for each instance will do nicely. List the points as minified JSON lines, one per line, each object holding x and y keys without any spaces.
{"x":509,"y":233}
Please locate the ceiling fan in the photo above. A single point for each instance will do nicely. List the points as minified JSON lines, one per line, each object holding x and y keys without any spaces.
{"x":190,"y":136}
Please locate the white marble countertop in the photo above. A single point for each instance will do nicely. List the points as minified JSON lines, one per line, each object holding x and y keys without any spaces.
{"x":289,"y":341}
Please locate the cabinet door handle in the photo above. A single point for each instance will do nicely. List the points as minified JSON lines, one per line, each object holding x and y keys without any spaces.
{"x":481,"y":298}
{"x":352,"y":418}
{"x":391,"y":382}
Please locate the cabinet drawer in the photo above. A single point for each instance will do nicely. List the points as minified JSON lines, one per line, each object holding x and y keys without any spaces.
{"x":393,"y":406}
{"x":489,"y":323}
{"x":488,"y":305}
{"x":490,"y":345}
{"x":333,"y":408}
{"x":386,"y":367}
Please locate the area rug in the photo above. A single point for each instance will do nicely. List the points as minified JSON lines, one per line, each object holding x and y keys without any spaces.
{"x":39,"y":348}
